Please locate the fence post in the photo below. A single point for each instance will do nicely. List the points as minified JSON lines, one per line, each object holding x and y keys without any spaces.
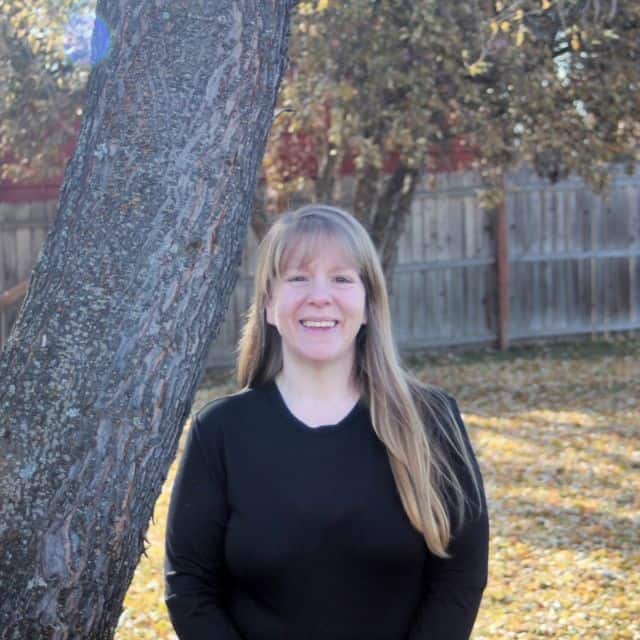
{"x":502,"y":267}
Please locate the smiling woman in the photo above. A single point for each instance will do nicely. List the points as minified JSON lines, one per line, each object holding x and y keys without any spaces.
{"x":332,"y":497}
{"x":318,"y":307}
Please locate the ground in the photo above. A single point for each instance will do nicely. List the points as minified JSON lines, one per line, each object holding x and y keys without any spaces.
{"x":556,"y":430}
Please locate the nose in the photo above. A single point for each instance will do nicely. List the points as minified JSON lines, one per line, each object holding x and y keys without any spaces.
{"x":319,"y":291}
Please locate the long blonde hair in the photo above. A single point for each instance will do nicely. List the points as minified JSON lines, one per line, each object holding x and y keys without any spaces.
{"x":414,"y":420}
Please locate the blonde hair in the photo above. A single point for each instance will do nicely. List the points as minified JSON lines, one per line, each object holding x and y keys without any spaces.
{"x":414,"y":420}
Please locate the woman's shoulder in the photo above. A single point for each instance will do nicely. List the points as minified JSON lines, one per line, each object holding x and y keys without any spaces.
{"x":442,"y":417}
{"x":448,"y":428}
{"x":434,"y":398}
{"x":230,"y":406}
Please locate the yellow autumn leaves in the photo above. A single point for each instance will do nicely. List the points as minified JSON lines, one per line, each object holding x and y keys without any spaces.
{"x":509,"y":22}
{"x":478,"y":67}
{"x":309,"y":8}
{"x":555,"y":431}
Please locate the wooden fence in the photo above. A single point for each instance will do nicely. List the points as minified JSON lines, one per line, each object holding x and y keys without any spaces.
{"x":574,"y":257}
{"x":573,"y":261}
{"x":23,"y":230}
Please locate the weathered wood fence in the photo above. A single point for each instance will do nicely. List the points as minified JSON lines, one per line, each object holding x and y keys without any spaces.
{"x":23,"y":230}
{"x":572,"y":260}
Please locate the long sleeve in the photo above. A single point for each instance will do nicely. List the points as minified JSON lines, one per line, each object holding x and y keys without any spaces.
{"x":194,"y":561}
{"x":454,"y":587}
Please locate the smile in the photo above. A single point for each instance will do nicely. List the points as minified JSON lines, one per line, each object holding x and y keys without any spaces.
{"x":319,"y":326}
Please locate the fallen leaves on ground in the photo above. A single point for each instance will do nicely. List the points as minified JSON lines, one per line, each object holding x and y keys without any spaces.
{"x":556,"y":430}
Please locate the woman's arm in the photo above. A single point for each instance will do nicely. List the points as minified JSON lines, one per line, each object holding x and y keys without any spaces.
{"x":455,"y":586}
{"x":194,"y":561}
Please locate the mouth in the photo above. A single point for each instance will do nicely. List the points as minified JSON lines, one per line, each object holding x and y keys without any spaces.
{"x":319,"y":329}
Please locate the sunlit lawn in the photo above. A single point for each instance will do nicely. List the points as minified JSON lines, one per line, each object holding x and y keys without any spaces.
{"x":557,"y":433}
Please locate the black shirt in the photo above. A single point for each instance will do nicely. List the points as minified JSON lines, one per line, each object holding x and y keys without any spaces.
{"x":281,"y":531}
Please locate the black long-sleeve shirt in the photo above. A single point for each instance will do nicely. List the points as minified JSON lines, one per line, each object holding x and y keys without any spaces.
{"x":281,"y":531}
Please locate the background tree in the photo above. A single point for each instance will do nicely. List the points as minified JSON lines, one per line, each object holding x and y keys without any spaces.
{"x":43,"y":72}
{"x":391,"y":87}
{"x":387,"y":89}
{"x":129,"y":290}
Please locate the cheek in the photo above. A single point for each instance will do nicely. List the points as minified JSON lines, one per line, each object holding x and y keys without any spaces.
{"x":357,"y":302}
{"x":289,"y":304}
{"x":353,"y":309}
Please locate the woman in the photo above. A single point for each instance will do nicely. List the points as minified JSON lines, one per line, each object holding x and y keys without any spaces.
{"x":334,"y":497}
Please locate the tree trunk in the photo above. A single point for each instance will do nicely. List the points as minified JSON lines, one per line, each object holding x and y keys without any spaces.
{"x":365,"y":194}
{"x":383,"y":204}
{"x":392,"y":209}
{"x":129,"y":290}
{"x":325,"y":182}
{"x":259,"y":218}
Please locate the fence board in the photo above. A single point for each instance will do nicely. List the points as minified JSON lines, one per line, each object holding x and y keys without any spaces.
{"x":573,"y":261}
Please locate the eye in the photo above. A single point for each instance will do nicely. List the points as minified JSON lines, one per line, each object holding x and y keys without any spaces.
{"x":344,"y":279}
{"x":295,"y":278}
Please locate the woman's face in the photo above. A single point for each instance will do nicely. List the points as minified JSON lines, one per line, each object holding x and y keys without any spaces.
{"x":327,"y":288}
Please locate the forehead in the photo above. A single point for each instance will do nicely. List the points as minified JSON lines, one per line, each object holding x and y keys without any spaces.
{"x":327,"y":251}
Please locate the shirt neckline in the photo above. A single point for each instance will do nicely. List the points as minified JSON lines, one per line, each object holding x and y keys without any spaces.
{"x":275,"y":395}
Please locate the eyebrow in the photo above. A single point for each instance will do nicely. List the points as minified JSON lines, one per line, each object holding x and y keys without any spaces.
{"x":304,"y":267}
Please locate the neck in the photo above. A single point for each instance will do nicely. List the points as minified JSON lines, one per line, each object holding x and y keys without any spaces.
{"x":334,"y":385}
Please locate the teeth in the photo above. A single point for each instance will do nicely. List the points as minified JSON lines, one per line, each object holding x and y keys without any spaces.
{"x":311,"y":323}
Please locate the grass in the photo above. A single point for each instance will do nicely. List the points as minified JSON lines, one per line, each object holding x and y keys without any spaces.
{"x":556,"y":429}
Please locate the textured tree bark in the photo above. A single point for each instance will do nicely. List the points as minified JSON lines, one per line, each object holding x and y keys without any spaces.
{"x":392,"y":209}
{"x":383,"y":205}
{"x":129,"y":290}
{"x":325,"y":183}
{"x":259,"y":218}
{"x":366,"y":194}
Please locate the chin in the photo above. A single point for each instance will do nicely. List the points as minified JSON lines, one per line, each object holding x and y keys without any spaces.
{"x":321,"y":357}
